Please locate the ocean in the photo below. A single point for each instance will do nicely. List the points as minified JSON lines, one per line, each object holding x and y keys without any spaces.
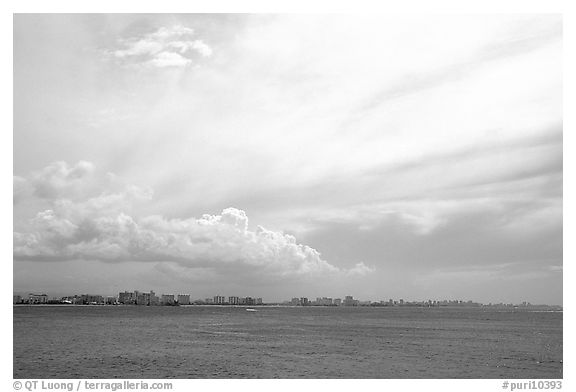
{"x":285,"y":342}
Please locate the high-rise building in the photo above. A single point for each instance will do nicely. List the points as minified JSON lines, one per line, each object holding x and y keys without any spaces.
{"x":183,"y":299}
{"x":37,"y":298}
{"x":167,"y":299}
{"x":154,"y":300}
{"x":127,"y":298}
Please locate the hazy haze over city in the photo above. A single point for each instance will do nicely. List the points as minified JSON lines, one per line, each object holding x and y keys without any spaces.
{"x":289,"y":155}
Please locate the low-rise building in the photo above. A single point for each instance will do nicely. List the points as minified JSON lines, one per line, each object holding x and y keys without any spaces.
{"x":91,"y":299}
{"x":219,"y":300}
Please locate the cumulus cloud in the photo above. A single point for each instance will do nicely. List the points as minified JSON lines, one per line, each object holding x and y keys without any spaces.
{"x":78,"y":188}
{"x":360,"y":269}
{"x":53,"y":181}
{"x":98,"y":228}
{"x":174,"y":46}
{"x":209,"y":241}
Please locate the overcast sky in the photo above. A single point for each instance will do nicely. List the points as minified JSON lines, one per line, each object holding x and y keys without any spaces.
{"x":280,"y":155}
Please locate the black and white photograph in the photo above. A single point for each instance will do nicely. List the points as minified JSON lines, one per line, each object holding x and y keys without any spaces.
{"x":287,"y":196}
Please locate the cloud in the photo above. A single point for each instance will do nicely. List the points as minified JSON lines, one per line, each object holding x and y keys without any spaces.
{"x":210,"y":241}
{"x":167,"y":47}
{"x":53,"y":180}
{"x":361,"y":269}
{"x":98,"y":228}
{"x":169,"y":59}
{"x":61,"y":183}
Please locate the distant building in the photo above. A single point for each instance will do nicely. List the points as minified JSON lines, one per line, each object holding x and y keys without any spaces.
{"x":219,"y":300}
{"x":127,"y":298}
{"x":154,"y":299}
{"x":295,"y":301}
{"x":337,"y":302}
{"x":37,"y":298}
{"x":167,"y":299}
{"x":183,"y":299}
{"x":142,"y":299}
{"x":350,"y":301}
{"x":258,"y":301}
{"x":90,"y":299}
{"x":304,"y":301}
{"x":16,"y":299}
{"x":233,"y":300}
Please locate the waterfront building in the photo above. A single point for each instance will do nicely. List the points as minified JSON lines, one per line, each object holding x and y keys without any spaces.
{"x":350,"y":301}
{"x":37,"y":298}
{"x":90,"y":299}
{"x":167,"y":299}
{"x":304,"y":301}
{"x":219,"y":300}
{"x":233,"y":300}
{"x":295,"y":301}
{"x":16,"y":299}
{"x":183,"y":299}
{"x":142,"y":299}
{"x":258,"y":301}
{"x":337,"y":302}
{"x":127,"y":298}
{"x":154,"y":299}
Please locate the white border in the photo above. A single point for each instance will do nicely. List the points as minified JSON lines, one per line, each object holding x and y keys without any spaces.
{"x":293,"y":6}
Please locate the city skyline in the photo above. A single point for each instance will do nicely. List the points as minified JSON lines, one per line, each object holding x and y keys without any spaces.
{"x":232,"y":299}
{"x":282,"y":154}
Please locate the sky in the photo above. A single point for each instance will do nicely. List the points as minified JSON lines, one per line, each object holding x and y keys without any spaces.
{"x":279,"y":156}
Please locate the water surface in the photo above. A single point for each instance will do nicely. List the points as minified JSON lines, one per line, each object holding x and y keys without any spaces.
{"x":285,"y":342}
